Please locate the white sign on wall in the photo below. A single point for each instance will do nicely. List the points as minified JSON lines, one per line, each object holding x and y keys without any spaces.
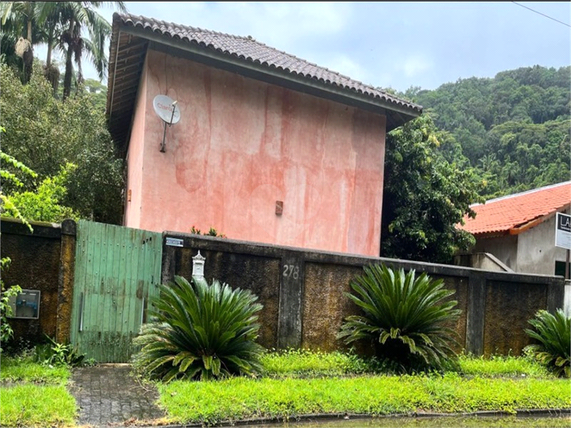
{"x":563,"y":231}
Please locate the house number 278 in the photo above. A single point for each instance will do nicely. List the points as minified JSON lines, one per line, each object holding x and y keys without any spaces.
{"x":291,"y":271}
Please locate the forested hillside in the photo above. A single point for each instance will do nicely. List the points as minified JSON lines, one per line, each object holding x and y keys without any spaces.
{"x":513,"y":128}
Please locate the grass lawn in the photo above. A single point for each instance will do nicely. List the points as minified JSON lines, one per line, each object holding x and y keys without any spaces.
{"x":301,"y":383}
{"x":34,"y":395}
{"x":296,"y":383}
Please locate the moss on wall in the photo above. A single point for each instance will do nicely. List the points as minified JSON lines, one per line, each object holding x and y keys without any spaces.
{"x":325,"y":305}
{"x":35,"y":263}
{"x":508,"y":308}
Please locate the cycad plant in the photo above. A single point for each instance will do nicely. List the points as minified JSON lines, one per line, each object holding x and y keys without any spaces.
{"x":553,"y":332}
{"x":406,"y":317}
{"x":199,"y":331}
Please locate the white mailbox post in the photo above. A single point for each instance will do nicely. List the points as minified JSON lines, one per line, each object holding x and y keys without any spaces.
{"x":198,"y":266}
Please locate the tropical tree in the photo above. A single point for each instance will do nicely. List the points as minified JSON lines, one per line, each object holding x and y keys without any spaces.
{"x":46,"y":203}
{"x":406,"y":319}
{"x":46,"y":133}
{"x":10,"y":170}
{"x":76,"y":28}
{"x":425,"y":195}
{"x":521,"y":117}
{"x":200,"y":331}
{"x":78,"y":18}
{"x":22,"y":20}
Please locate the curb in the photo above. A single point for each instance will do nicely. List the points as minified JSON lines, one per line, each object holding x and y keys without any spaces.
{"x":332,"y":416}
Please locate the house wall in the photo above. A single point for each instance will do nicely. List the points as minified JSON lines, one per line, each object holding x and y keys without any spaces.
{"x":531,"y":251}
{"x":504,"y":248}
{"x":135,"y":155}
{"x":241,"y":145}
{"x":536,"y":252}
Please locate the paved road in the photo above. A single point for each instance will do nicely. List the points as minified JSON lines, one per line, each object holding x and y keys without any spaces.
{"x":108,"y":395}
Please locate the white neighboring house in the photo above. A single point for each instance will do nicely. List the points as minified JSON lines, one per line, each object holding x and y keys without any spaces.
{"x":519,"y":231}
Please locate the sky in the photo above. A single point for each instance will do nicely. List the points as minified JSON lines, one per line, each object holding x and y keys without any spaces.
{"x":394,"y":45}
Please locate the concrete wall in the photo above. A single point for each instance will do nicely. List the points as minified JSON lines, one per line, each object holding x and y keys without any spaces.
{"x":484,"y":261}
{"x":240,"y":146}
{"x":536,"y":250}
{"x":503,"y":247}
{"x":303,"y":292}
{"x":42,"y":260}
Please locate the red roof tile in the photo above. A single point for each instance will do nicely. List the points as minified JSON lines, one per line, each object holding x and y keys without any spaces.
{"x":251,"y":50}
{"x":505,"y":214}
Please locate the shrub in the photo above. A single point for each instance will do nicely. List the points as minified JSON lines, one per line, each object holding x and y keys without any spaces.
{"x":553,"y":332}
{"x":199,"y":331}
{"x":6,"y":331}
{"x":58,"y":354}
{"x":406,"y":318}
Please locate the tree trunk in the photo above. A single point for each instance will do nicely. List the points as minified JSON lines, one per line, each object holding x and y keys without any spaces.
{"x":68,"y":62}
{"x":68,"y":73}
{"x":49,"y":55}
{"x":30,"y":30}
{"x":28,"y":61}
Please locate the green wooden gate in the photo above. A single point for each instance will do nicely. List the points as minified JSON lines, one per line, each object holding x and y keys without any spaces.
{"x":117,"y":270}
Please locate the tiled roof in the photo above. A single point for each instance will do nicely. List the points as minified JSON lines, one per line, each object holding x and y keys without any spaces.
{"x":249,"y":49}
{"x":133,"y":35}
{"x":511,"y":214}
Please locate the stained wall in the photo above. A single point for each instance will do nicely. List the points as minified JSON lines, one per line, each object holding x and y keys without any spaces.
{"x":303,"y":292}
{"x":242,"y":145}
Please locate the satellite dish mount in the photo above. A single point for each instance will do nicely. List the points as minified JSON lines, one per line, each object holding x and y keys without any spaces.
{"x":169,"y":113}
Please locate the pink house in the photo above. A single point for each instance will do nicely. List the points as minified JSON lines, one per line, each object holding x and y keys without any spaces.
{"x":269,"y":147}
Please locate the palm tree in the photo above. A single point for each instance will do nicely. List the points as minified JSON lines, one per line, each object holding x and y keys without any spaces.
{"x":63,"y":25}
{"x":77,"y":17}
{"x":21,"y":21}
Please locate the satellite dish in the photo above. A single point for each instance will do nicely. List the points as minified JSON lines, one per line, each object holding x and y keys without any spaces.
{"x":166,"y":109}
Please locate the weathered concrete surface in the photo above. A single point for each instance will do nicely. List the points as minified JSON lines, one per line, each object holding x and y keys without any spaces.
{"x":109,"y":395}
{"x":508,"y":309}
{"x":308,"y":288}
{"x":66,"y":278}
{"x":325,"y":305}
{"x":35,"y":265}
{"x":241,"y":146}
{"x":260,"y":275}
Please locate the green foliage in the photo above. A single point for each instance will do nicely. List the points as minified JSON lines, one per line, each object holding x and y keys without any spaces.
{"x":38,"y":396}
{"x":45,"y":204}
{"x":425,"y":195}
{"x":514,"y":128}
{"x":30,"y":405}
{"x":46,"y":134}
{"x":406,"y":318}
{"x":25,"y":368}
{"x":10,"y":168}
{"x":199,"y":331}
{"x":501,"y":366}
{"x":553,"y":332}
{"x":6,"y":331}
{"x":211,"y":232}
{"x":308,"y":363}
{"x":58,"y":354}
{"x":241,"y":398}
